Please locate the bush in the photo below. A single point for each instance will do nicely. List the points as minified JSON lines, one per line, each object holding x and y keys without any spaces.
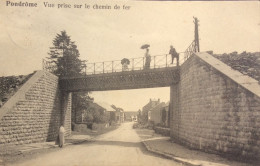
{"x":81,"y":128}
{"x":151,"y":124}
{"x":89,"y":118}
{"x":113,"y":123}
{"x":143,"y":126}
{"x":162,"y":130}
{"x":245,"y":62}
{"x":99,"y":126}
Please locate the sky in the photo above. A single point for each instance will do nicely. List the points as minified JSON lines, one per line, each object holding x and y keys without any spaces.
{"x":106,"y":35}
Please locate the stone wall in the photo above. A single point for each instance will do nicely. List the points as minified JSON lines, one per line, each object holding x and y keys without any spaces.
{"x":33,"y":114}
{"x":211,"y":112}
{"x":66,"y":104}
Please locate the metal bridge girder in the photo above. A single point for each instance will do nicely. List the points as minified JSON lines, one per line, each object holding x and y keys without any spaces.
{"x":148,"y":78}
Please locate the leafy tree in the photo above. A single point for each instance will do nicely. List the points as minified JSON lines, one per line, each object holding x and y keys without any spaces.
{"x":105,"y":117}
{"x":96,"y":115}
{"x":65,"y":55}
{"x":80,"y":102}
{"x":164,"y":116}
{"x":89,"y":117}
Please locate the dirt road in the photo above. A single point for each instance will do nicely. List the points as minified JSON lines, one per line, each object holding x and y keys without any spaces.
{"x":121,"y":147}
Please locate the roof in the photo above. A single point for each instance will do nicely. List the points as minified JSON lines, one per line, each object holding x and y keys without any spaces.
{"x":158,"y":106}
{"x":106,"y":106}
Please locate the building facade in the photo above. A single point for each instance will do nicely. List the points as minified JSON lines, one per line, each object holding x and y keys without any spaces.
{"x":155,"y":114}
{"x":145,"y":111}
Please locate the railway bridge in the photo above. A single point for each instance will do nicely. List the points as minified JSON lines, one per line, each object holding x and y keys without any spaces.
{"x":212,"y":107}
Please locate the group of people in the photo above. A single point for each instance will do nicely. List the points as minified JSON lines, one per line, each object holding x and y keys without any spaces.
{"x":172,"y":52}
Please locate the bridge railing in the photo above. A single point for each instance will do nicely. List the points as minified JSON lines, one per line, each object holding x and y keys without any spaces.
{"x":190,"y":50}
{"x":157,"y":61}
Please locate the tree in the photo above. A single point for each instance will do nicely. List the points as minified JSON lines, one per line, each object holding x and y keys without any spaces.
{"x":164,"y":116}
{"x":80,"y":102}
{"x":65,"y":55}
{"x":96,"y":115}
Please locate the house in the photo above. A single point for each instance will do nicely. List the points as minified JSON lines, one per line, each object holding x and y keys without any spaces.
{"x":122,"y":116}
{"x":109,"y":109}
{"x":131,"y":115}
{"x":119,"y":114}
{"x":155,"y":113}
{"x":152,"y":103}
{"x":102,"y":108}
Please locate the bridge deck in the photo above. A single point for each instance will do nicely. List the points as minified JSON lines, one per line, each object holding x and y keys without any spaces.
{"x":147,"y":78}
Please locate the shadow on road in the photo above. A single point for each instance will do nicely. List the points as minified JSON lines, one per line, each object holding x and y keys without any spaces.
{"x":138,"y":145}
{"x":119,"y":143}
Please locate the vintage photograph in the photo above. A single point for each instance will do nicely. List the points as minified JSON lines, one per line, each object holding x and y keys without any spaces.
{"x":129,"y":83}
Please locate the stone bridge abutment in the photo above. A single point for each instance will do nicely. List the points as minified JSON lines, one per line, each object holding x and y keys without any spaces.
{"x":215,"y":109}
{"x":35,"y":112}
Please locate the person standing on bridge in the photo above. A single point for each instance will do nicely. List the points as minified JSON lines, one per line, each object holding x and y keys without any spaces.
{"x":61,"y":136}
{"x":147,"y":59}
{"x":174,"y":54}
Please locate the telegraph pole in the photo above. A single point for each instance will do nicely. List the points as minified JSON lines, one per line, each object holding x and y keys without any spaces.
{"x":196,"y":39}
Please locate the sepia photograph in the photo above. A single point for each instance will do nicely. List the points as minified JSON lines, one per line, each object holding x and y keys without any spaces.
{"x":129,"y":83}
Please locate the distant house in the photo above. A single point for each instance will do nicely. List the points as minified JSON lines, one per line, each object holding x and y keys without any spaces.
{"x":131,"y":116}
{"x":152,"y":103}
{"x":155,"y":113}
{"x":122,"y":116}
{"x":110,"y":109}
{"x":119,"y":114}
{"x":102,"y":107}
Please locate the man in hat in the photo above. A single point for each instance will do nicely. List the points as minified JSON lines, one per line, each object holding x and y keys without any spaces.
{"x":147,"y":59}
{"x":174,"y":54}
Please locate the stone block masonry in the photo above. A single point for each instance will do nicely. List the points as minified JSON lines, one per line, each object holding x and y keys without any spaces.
{"x":34,"y":113}
{"x":213,"y":113}
{"x":66,"y":104}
